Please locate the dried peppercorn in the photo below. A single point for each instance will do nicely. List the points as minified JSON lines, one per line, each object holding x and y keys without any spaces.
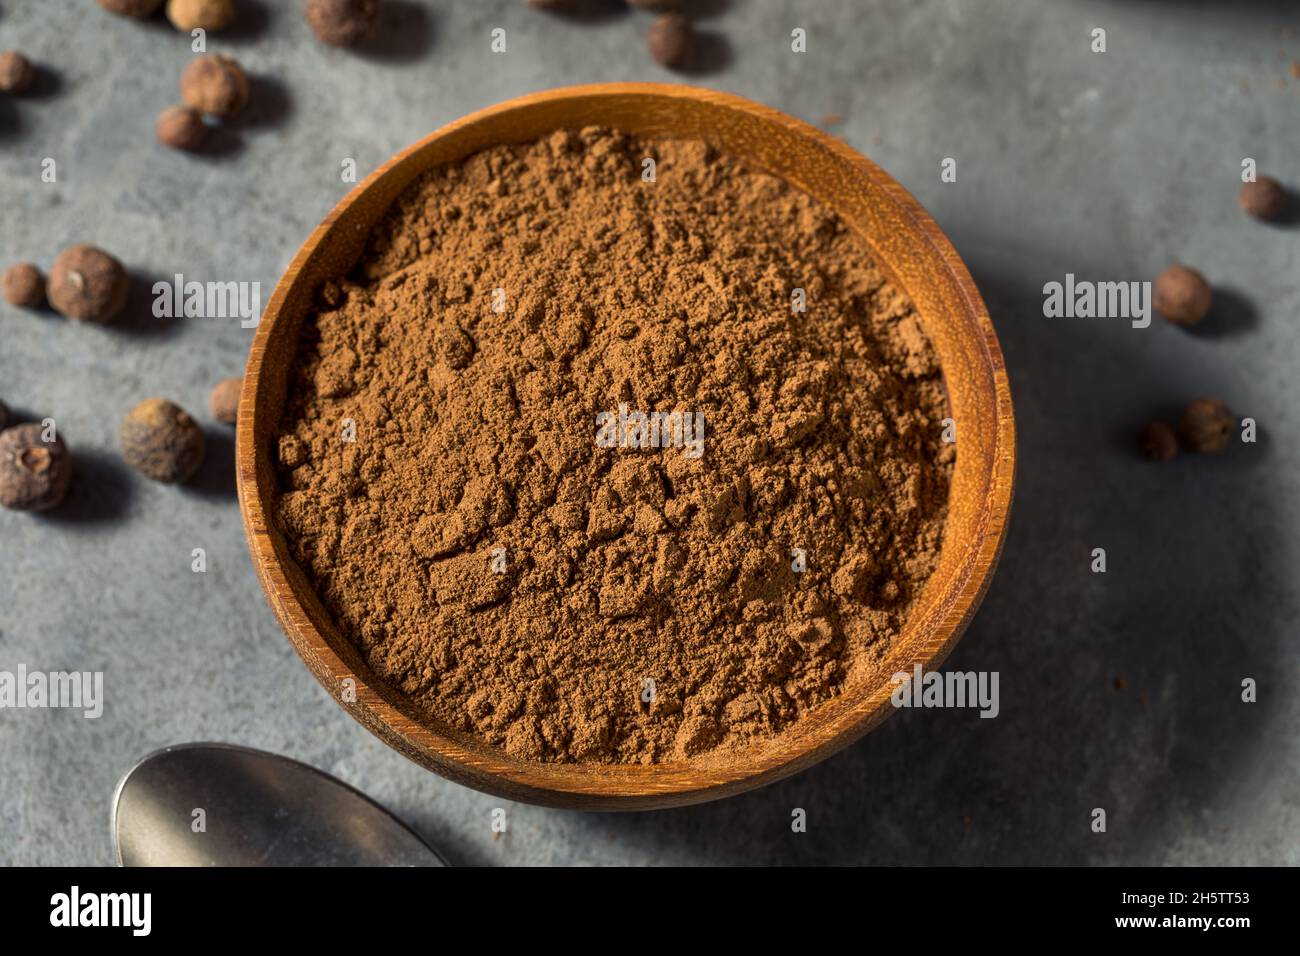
{"x":16,"y":72}
{"x":1206,"y":426}
{"x":34,"y":473}
{"x":1158,"y":441}
{"x":190,"y":15}
{"x":1265,"y":198}
{"x":4,"y":416}
{"x":87,"y":284}
{"x":161,"y":441}
{"x":1182,"y":295}
{"x":656,"y":6}
{"x":670,"y":39}
{"x":342,"y":22}
{"x":23,"y":285}
{"x":181,"y":128}
{"x":223,"y":402}
{"x":132,"y":8}
{"x":215,"y":84}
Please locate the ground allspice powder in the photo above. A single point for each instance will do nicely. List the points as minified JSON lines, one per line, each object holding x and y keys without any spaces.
{"x":517,"y":579}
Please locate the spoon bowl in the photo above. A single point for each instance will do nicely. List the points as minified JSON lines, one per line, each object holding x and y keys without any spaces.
{"x":219,"y":805}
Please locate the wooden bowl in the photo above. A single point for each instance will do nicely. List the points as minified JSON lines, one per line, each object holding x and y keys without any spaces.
{"x":903,"y":238}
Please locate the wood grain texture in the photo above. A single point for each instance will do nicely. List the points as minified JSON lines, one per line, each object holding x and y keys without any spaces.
{"x":905,"y":241}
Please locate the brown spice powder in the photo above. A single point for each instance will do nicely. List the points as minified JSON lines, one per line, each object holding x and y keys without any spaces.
{"x":572,"y":602}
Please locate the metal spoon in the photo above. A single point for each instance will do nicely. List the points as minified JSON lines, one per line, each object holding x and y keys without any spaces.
{"x":256,"y":809}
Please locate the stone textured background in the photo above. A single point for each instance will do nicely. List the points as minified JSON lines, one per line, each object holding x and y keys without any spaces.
{"x":1106,"y":165}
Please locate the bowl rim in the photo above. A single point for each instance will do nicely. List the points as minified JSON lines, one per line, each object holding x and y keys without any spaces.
{"x":605,"y":786}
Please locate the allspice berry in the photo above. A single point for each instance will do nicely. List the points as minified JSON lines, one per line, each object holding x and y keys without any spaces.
{"x":131,"y":8}
{"x":1182,"y":295}
{"x":34,"y":474}
{"x":1265,"y":198}
{"x":342,"y":22}
{"x":16,"y":72}
{"x":1206,"y":426}
{"x":23,"y":285}
{"x":190,"y":15}
{"x":161,"y":441}
{"x":215,"y":84}
{"x":181,"y":128}
{"x":223,"y":403}
{"x":670,"y":39}
{"x":1158,"y":441}
{"x":87,"y":284}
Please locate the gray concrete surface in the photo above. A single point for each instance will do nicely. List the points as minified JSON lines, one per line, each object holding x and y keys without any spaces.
{"x":1106,"y":165}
